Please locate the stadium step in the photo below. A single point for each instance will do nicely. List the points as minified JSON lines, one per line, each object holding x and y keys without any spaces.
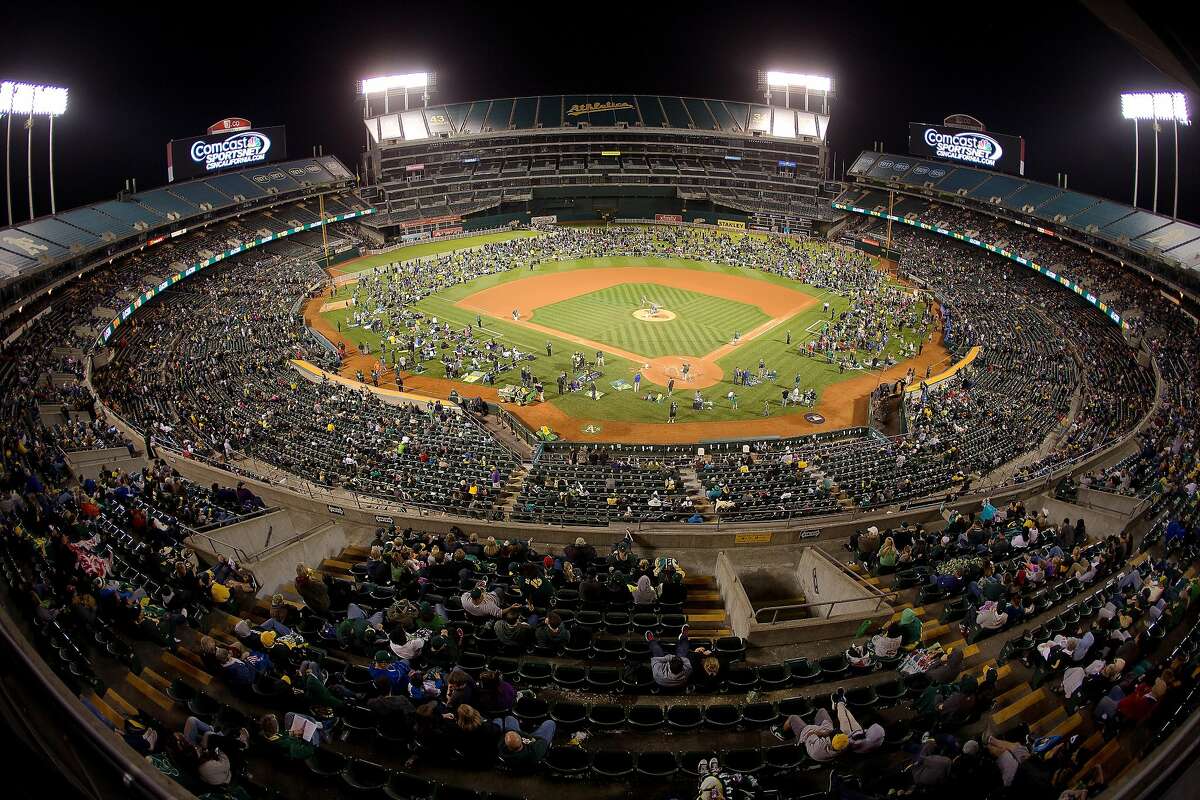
{"x":149,"y":692}
{"x":114,"y":718}
{"x":190,"y":668}
{"x":1024,"y":708}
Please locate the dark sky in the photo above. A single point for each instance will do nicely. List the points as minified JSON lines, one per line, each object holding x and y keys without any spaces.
{"x":1047,"y":70}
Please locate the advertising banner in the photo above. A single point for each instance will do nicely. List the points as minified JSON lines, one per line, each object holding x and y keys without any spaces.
{"x":206,"y":155}
{"x":732,"y":224}
{"x":668,"y":217}
{"x":972,"y":148}
{"x":450,"y":231}
{"x":545,"y":219}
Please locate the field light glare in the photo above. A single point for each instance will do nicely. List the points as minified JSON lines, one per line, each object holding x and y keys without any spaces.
{"x":1159,"y":106}
{"x":414,"y":80}
{"x":32,"y":98}
{"x":815,"y":82}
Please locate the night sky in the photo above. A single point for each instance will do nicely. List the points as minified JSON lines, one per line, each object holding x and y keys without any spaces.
{"x":1048,"y":71}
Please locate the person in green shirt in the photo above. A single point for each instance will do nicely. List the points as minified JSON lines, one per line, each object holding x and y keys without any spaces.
{"x":281,"y":742}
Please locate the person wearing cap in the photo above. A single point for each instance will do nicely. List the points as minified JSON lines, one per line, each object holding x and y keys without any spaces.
{"x":384,"y":666}
{"x":442,"y":649}
{"x":821,"y":740}
{"x":479,"y":604}
{"x":428,"y":617}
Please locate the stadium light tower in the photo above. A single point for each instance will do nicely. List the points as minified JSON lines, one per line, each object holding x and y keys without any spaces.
{"x":818,"y":84}
{"x":385,"y":84}
{"x":30,"y":100}
{"x":1156,"y":107}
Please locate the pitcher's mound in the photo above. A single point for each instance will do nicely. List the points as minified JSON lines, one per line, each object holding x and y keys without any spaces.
{"x":662,"y":315}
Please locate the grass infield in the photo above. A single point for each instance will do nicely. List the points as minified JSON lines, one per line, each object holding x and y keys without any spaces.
{"x":792,"y":367}
{"x":702,"y":322}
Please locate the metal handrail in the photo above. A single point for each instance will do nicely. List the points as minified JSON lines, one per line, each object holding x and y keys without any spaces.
{"x":879,"y":600}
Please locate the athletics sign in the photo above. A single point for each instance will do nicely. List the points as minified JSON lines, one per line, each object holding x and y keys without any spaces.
{"x":975,"y":148}
{"x":230,"y":149}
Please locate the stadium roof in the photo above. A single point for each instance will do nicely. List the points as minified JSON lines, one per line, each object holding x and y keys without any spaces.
{"x":30,"y":246}
{"x":1160,"y":237}
{"x":649,"y":112}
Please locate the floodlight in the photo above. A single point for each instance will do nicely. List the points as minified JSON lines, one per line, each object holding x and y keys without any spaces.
{"x":31,"y":98}
{"x":1159,"y":106}
{"x":815,"y":82}
{"x":414,"y":80}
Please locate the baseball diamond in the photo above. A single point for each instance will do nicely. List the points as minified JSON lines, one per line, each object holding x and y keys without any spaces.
{"x":599,"y":445}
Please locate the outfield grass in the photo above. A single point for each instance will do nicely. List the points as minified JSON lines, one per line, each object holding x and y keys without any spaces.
{"x":770,"y":347}
{"x":702,"y":323}
{"x":430,"y":248}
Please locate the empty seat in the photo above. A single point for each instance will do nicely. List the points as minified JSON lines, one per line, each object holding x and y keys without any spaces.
{"x":773,"y":676}
{"x":364,"y":776}
{"x":890,"y":692}
{"x":759,"y":713}
{"x":638,"y":680}
{"x":636,"y":650}
{"x":567,"y":761}
{"x":685,"y":717}
{"x":741,"y":677}
{"x":508,"y":667}
{"x":861,"y":697}
{"x":569,"y":676}
{"x":326,"y":763}
{"x":531,"y":711}
{"x":657,"y":764}
{"x":535,"y":673}
{"x":616,"y":622}
{"x":402,"y":786}
{"x":606,"y":715}
{"x":613,"y":764}
{"x":730,"y":648}
{"x":803,"y":670}
{"x":722,"y":716}
{"x":833,"y":667}
{"x":746,"y":762}
{"x":569,"y":713}
{"x":606,"y":648}
{"x":798,"y":706}
{"x":646,"y":716}
{"x":603,"y":679}
{"x":783,"y":757}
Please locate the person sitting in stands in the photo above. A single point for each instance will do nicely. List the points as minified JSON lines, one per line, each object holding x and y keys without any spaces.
{"x":478,"y":604}
{"x":670,"y":671}
{"x":886,"y":643}
{"x":283,"y":743}
{"x":494,"y":696}
{"x":519,"y":750}
{"x":553,"y":633}
{"x":310,"y":585}
{"x":384,"y":666}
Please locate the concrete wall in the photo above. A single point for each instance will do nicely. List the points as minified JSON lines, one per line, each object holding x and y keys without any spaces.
{"x":89,"y":462}
{"x":1100,"y":522}
{"x":254,"y":535}
{"x":824,"y":581}
{"x":737,"y":570}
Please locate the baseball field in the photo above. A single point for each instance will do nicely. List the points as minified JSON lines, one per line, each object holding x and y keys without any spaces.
{"x":711,"y":317}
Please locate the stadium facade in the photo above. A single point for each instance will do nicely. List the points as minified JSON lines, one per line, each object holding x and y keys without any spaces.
{"x":600,"y":156}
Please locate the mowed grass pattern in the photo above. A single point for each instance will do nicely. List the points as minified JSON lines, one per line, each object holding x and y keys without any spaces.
{"x":702,"y":322}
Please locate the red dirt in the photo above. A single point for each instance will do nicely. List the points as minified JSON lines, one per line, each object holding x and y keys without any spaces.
{"x":529,"y":294}
{"x":843,"y":404}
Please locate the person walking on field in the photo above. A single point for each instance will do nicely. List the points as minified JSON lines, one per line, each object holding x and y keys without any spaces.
{"x":549,"y":349}
{"x":637,"y":381}
{"x":732,"y":400}
{"x":600,"y":358}
{"x":789,"y":338}
{"x":670,"y":386}
{"x":674,"y":410}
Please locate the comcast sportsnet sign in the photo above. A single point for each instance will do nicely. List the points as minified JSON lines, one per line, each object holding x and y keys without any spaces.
{"x":968,"y":147}
{"x":230,"y":149}
{"x":236,"y":150}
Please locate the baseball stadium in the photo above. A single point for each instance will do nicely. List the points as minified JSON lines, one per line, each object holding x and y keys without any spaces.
{"x":603,"y":444}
